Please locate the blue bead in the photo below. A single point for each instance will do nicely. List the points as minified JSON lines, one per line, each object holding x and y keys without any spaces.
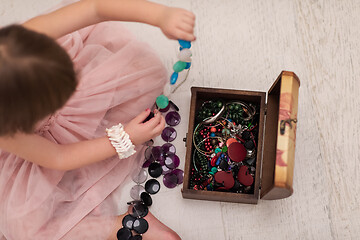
{"x":218,"y":161}
{"x":188,"y":65}
{"x":185,"y":44}
{"x":174,"y":78}
{"x":212,"y":135}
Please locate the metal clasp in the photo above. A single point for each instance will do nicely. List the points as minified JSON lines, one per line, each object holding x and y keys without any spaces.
{"x":283,"y":124}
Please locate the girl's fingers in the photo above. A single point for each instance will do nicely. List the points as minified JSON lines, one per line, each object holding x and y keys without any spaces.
{"x":189,"y":22}
{"x":190,"y":15}
{"x":187,"y":28}
{"x":158,"y":129}
{"x":152,"y":123}
{"x":184,"y":35}
{"x":187,"y":13}
{"x":142,"y":116}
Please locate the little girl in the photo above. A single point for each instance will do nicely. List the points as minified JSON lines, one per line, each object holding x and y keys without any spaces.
{"x":58,"y":167}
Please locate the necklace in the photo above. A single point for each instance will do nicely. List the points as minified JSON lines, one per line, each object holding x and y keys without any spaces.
{"x":160,"y":160}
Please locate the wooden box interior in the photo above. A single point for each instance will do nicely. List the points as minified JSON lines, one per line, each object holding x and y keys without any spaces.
{"x":199,"y":95}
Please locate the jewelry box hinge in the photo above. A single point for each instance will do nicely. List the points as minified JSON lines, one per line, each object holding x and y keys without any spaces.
{"x":260,"y":184}
{"x":185,"y":139}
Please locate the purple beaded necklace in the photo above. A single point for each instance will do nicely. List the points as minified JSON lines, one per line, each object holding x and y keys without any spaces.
{"x":160,"y":160}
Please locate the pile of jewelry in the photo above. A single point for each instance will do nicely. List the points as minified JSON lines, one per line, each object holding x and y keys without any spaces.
{"x":224,"y":141}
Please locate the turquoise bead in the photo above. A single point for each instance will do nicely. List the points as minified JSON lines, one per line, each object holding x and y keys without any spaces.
{"x":217,"y":150}
{"x":179,"y":66}
{"x":184,"y":44}
{"x":214,"y":170}
{"x":162,"y":101}
{"x":174,"y":78}
{"x":212,"y":135}
{"x":188,"y":65}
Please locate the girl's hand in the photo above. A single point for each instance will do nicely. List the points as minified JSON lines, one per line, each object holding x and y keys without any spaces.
{"x":140,"y":132}
{"x":177,"y":23}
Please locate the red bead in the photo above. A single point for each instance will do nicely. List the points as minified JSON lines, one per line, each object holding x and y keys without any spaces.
{"x":213,"y":129}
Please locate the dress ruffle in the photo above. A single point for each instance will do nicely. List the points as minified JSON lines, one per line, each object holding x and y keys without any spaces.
{"x":118,"y":78}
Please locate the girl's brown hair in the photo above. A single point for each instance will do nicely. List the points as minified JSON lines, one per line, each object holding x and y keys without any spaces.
{"x":37,"y":77}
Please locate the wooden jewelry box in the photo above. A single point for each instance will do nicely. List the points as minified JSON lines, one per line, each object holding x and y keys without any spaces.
{"x":273,"y":178}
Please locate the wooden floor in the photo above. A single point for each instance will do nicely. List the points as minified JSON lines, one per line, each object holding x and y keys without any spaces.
{"x":245,"y":45}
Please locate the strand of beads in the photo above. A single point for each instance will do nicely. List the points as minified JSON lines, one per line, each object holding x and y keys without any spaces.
{"x":134,"y":220}
{"x":160,"y":160}
{"x":184,"y":63}
{"x":184,"y":60}
{"x":163,"y":159}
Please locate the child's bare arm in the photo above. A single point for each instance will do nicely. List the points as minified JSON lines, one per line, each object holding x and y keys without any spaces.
{"x":176,"y":23}
{"x":45,"y":153}
{"x":65,"y":20}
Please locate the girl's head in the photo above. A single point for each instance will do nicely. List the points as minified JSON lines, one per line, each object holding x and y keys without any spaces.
{"x":36,"y":78}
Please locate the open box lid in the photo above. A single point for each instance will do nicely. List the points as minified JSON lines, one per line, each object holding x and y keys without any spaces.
{"x":280,"y":134}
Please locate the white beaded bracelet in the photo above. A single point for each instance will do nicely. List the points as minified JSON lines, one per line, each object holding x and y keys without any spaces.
{"x":120,"y":141}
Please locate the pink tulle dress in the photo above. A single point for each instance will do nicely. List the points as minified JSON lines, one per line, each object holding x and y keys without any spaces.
{"x":118,"y":78}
